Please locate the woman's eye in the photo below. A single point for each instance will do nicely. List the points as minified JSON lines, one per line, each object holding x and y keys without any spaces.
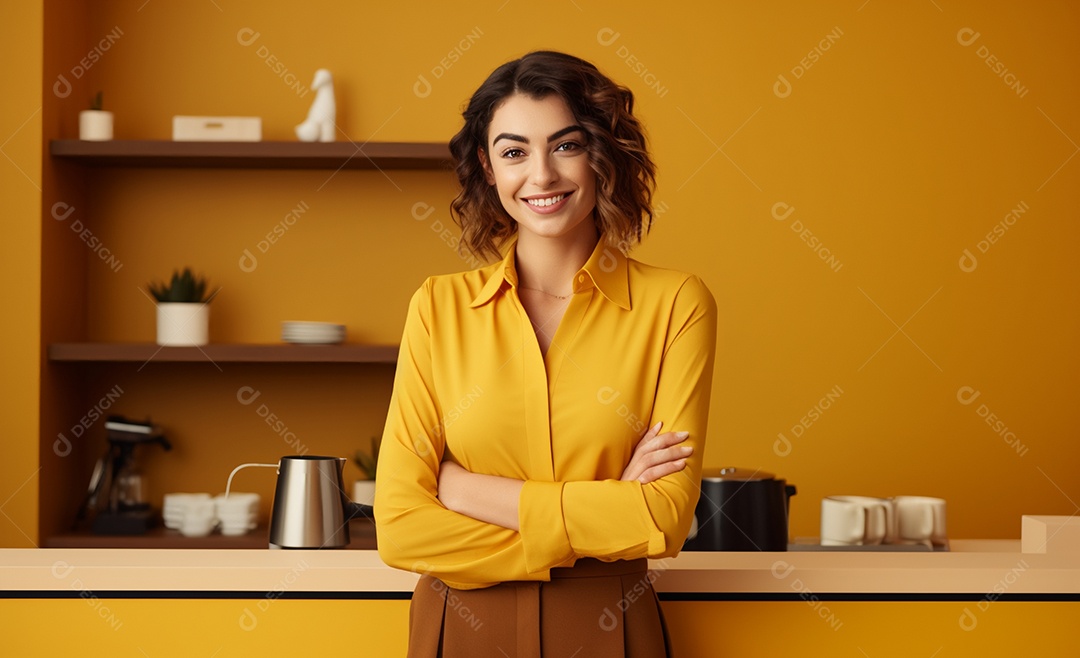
{"x":513,"y":153}
{"x":568,"y":146}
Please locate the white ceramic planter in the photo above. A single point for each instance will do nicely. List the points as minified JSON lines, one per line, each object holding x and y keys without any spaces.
{"x":95,"y":125}
{"x":183,"y":323}
{"x":364,"y":492}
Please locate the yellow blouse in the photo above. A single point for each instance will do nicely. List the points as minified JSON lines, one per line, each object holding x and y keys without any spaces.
{"x":635,"y":346}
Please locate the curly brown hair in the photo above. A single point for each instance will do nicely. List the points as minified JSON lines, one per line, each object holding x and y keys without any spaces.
{"x":626,"y":175}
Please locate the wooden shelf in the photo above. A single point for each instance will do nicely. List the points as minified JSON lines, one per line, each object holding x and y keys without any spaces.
{"x":361,"y":537}
{"x":255,"y":155}
{"x":223,"y":353}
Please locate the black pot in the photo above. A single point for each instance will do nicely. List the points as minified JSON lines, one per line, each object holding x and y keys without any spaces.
{"x":741,"y":509}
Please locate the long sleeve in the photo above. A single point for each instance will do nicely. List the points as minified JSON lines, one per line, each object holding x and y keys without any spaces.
{"x":610,"y":519}
{"x":415,"y":531}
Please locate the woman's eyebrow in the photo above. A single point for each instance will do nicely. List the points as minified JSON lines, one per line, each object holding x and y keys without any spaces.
{"x":551,"y":138}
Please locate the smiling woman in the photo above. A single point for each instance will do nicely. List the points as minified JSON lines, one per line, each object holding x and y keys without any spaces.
{"x":535,"y":511}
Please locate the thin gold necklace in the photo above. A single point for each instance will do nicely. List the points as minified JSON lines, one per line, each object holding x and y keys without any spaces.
{"x":547,"y":293}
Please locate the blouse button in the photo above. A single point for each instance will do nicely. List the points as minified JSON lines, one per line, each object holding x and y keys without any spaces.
{"x":581,"y":278}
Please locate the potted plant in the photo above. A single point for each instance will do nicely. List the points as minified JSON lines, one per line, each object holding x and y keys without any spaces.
{"x":95,"y":124}
{"x":183,"y":309}
{"x":364,"y":487}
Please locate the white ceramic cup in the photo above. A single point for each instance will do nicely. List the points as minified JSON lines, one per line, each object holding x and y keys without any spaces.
{"x":175,"y":504}
{"x":199,"y":518}
{"x":364,"y":492}
{"x":856,"y":521}
{"x":920,"y":520}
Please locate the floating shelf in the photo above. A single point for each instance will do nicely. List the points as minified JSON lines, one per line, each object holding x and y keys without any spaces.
{"x":255,"y":155}
{"x":223,"y":353}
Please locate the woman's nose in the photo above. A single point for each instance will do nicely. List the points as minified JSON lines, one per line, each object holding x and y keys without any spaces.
{"x":544,"y":172}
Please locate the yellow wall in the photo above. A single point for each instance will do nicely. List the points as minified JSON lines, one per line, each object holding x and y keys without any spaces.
{"x":20,"y":267}
{"x":893,"y":146}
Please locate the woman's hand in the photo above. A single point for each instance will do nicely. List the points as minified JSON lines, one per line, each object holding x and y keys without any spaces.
{"x":657,"y":455}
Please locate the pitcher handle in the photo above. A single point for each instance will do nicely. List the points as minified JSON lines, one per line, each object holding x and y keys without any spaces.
{"x":228,"y":484}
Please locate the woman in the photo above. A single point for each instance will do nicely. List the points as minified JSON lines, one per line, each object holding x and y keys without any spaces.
{"x":523,"y":471}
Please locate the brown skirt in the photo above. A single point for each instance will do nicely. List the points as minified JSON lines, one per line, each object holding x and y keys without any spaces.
{"x":591,"y":610}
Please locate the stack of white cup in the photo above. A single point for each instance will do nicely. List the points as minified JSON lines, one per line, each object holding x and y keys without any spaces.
{"x":190,"y":513}
{"x":236,"y":512}
{"x":197,"y":514}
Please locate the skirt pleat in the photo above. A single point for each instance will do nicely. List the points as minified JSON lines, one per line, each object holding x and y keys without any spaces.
{"x":594,"y":609}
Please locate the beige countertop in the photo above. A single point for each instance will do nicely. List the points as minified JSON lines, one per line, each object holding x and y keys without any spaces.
{"x":991,"y":567}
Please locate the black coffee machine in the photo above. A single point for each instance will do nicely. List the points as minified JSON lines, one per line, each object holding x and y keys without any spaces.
{"x":115,"y":498}
{"x":741,"y":509}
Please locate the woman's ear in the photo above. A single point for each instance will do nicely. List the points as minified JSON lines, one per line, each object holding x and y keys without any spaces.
{"x":482,"y":155}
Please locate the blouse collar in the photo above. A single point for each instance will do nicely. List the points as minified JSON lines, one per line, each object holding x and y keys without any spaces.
{"x":606,"y":269}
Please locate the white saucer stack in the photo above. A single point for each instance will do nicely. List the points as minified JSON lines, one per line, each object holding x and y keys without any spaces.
{"x":197,"y":514}
{"x":176,"y":506}
{"x":237,"y":512}
{"x":312,"y":333}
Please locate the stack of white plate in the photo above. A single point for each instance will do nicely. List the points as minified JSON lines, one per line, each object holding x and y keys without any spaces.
{"x":312,"y":333}
{"x":176,"y":505}
{"x":237,"y":512}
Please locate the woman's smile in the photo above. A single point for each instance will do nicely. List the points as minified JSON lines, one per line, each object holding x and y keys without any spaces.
{"x":546,"y":204}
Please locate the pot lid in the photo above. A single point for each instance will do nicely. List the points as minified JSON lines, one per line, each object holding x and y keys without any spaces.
{"x":736,"y":474}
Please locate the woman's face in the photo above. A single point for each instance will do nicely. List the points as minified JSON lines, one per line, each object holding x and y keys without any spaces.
{"x":538,"y":160}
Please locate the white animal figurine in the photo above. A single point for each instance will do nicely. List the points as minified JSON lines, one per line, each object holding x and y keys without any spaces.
{"x":320,"y":124}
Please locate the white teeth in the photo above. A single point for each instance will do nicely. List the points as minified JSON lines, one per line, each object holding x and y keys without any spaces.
{"x":542,"y":203}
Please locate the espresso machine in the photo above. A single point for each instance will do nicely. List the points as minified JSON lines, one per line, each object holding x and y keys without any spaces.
{"x":116,"y":498}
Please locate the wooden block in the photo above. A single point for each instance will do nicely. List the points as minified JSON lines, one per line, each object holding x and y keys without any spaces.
{"x":1055,"y":535}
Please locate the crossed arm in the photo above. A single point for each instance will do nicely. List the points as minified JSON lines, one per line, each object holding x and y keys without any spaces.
{"x":494,"y":499}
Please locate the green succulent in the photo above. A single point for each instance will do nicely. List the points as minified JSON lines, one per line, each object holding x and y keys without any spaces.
{"x":185,"y":287}
{"x":368,"y":462}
